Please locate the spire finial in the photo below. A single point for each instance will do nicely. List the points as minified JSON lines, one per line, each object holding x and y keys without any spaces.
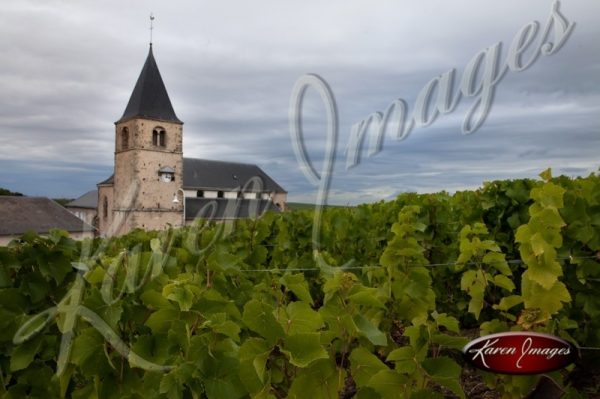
{"x":151,"y":27}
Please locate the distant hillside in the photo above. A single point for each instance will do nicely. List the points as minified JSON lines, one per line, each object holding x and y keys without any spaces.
{"x":4,"y":191}
{"x":62,"y":201}
{"x":295,"y":206}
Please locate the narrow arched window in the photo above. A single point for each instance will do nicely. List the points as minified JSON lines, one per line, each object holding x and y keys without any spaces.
{"x":105,"y":208}
{"x":159,"y":137}
{"x":125,"y":138}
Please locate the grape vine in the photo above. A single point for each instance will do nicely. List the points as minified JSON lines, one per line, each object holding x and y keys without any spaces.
{"x":244,"y":310}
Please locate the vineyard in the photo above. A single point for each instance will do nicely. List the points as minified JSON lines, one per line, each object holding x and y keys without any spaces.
{"x":379,"y":306}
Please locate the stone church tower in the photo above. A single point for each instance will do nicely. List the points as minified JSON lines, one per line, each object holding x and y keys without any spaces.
{"x":148,"y":170}
{"x":154,"y":187}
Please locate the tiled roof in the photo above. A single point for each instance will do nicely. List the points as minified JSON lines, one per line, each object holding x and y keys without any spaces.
{"x":204,"y":174}
{"x":149,"y":98}
{"x":108,"y":182}
{"x":87,"y":200}
{"x":21,"y":214}
{"x":221,"y":175}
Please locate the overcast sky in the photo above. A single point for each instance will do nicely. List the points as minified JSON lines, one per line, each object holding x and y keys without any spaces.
{"x":68,"y":69}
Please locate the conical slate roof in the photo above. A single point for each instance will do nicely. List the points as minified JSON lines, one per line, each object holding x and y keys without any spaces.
{"x":149,"y":98}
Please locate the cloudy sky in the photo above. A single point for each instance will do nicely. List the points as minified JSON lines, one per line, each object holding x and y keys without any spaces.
{"x":68,"y":68}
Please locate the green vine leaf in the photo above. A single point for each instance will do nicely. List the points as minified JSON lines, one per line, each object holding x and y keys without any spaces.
{"x":364,"y":366}
{"x":258,"y":316}
{"x":446,"y":372}
{"x":369,"y":330}
{"x":303,"y":349}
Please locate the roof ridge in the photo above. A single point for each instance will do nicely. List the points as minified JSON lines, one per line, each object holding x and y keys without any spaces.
{"x":220,"y":161}
{"x":40,"y":214}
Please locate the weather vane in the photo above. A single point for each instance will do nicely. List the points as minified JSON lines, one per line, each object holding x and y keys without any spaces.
{"x":151,"y":26}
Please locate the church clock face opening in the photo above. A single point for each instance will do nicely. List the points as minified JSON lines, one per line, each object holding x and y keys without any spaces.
{"x":166,"y":174}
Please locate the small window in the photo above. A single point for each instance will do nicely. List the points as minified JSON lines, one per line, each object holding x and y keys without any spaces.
{"x":220,"y":194}
{"x":159,"y":137}
{"x":125,"y":138}
{"x":200,"y":194}
{"x":105,"y":208}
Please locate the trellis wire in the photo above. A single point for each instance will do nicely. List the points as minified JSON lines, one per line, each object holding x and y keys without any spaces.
{"x":304,"y":269}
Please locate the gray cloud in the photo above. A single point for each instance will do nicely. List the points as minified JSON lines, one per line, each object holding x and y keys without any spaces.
{"x":69,"y":68}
